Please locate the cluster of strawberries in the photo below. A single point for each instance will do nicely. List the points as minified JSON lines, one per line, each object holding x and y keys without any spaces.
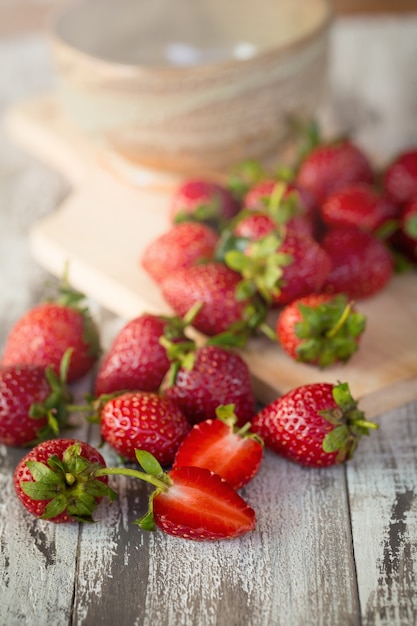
{"x":305,"y":243}
{"x":181,"y":405}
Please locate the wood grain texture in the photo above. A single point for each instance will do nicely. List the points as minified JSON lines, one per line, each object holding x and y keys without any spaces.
{"x":332,"y":547}
{"x":322,"y":537}
{"x":383,"y":502}
{"x":38,"y":559}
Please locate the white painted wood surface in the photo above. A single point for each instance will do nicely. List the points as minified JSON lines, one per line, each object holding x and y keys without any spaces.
{"x":334,"y":546}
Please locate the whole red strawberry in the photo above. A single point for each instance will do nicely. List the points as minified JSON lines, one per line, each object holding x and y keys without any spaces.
{"x":216,"y":376}
{"x":45,"y":332}
{"x":136,"y":359}
{"x":320,"y":329}
{"x":316,"y":425}
{"x":330,"y":167}
{"x":253,"y":226}
{"x":400,"y":177}
{"x":143,"y":420}
{"x":285,"y":203}
{"x":359,"y":205}
{"x":182,"y":245}
{"x":308,"y":270}
{"x":193,"y":503}
{"x":214,"y":286}
{"x":203,"y":200}
{"x":405,"y":239}
{"x":56,"y":481}
{"x":234,"y":453}
{"x":361,"y":264}
{"x":33,"y":404}
{"x":281,"y":268}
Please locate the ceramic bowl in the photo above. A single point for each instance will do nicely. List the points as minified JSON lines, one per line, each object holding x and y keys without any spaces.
{"x":191,"y":85}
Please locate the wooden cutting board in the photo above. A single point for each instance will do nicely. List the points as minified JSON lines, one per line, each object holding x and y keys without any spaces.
{"x":114,"y":211}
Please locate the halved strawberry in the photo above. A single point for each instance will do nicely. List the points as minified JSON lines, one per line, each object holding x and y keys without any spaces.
{"x":194,"y":503}
{"x":234,"y":453}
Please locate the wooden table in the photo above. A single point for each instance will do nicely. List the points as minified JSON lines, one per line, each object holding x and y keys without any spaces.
{"x":332,"y":547}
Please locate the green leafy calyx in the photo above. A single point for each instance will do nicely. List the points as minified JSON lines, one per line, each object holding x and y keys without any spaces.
{"x":348,"y":421}
{"x":56,"y":405}
{"x":261,"y":267}
{"x":69,"y":484}
{"x":226,"y":413}
{"x":328,"y":332}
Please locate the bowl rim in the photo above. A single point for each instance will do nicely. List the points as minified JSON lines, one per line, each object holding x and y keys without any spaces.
{"x":59,"y":42}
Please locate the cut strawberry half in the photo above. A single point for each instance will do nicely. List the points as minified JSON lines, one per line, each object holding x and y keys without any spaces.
{"x":192,"y":502}
{"x":218,"y":445}
{"x":202,"y":506}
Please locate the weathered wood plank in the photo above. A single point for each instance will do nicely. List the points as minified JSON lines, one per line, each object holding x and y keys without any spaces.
{"x":383,"y":499}
{"x":272,"y":576}
{"x":297,"y":567}
{"x":37,"y":558}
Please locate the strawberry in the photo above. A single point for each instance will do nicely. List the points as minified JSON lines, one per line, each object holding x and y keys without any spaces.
{"x":316,"y":425}
{"x":254,"y":225}
{"x":193,"y":503}
{"x":215,"y":376}
{"x":233,"y":453}
{"x":202,"y":200}
{"x":64,"y":481}
{"x":400,"y":177}
{"x":284,"y":202}
{"x":405,"y":239}
{"x":33,"y":403}
{"x":320,"y":329}
{"x":182,"y":245}
{"x":56,"y":481}
{"x":361,"y":264}
{"x":45,"y":332}
{"x":137,"y":359}
{"x":214,"y":286}
{"x":359,"y":205}
{"x":331,"y":166}
{"x":140,"y":419}
{"x":280,"y":268}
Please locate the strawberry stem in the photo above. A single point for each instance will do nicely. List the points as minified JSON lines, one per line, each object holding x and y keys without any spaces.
{"x":342,"y":319}
{"x":121,"y":471}
{"x":243,"y":430}
{"x":276,"y":196}
{"x":70,"y":478}
{"x":361,"y":423}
